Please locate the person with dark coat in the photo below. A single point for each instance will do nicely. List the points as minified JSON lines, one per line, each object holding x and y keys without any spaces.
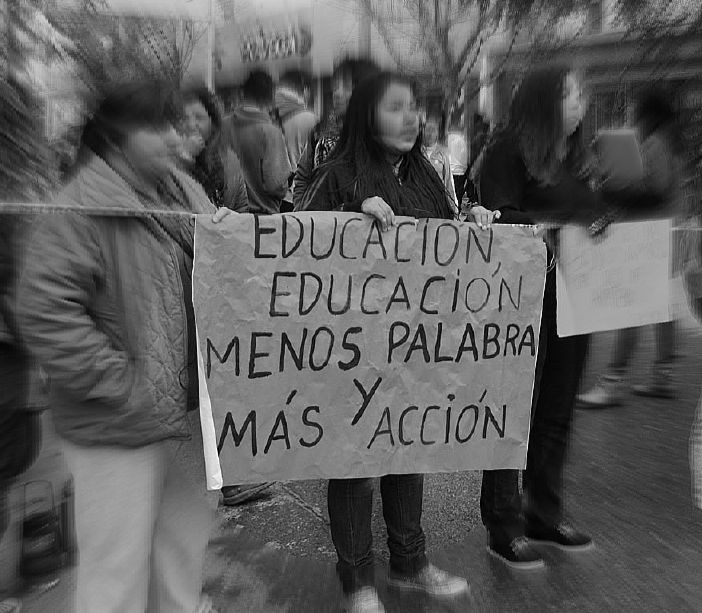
{"x":260,"y":146}
{"x":378,"y":168}
{"x":20,"y":425}
{"x":533,"y":172}
{"x":324,"y":136}
{"x":212,"y":160}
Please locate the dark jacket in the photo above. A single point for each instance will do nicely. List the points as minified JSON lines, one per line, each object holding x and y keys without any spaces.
{"x":320,"y":143}
{"x":260,"y":146}
{"x":505,"y":184}
{"x":336,"y":188}
{"x":222,"y":178}
{"x":103,"y":307}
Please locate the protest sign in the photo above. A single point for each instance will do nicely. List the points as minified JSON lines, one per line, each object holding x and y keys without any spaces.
{"x":619,"y":280}
{"x":330,"y":349}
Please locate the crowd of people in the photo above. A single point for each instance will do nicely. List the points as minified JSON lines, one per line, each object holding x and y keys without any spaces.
{"x":103,"y":307}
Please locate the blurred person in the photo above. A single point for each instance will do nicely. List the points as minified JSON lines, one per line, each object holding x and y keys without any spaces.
{"x":325,"y":135}
{"x":533,"y":173}
{"x":658,"y":193}
{"x":216,"y":167}
{"x":104,"y":302}
{"x":214,"y":163}
{"x":378,"y":168}
{"x":296,"y":120}
{"x":260,"y":145}
{"x":439,"y":157}
{"x":20,"y":426}
{"x":458,"y":154}
{"x":481,"y":131}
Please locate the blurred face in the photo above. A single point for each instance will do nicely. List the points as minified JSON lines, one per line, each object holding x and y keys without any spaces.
{"x":148,"y":152}
{"x":431,"y":132}
{"x":196,"y":120}
{"x":340,"y":96}
{"x":573,"y":108}
{"x":397,"y":120}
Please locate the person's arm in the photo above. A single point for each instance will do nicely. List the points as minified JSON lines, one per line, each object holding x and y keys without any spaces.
{"x":62,"y":268}
{"x":501,"y":182}
{"x":236,"y":197}
{"x":274,"y":165}
{"x":450,"y":187}
{"x":303,"y":174}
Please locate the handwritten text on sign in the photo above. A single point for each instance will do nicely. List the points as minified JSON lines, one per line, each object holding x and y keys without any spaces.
{"x":618,"y":281}
{"x":331,"y":349}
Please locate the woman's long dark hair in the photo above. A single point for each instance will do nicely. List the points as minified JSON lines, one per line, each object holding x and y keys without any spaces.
{"x":536,"y":120}
{"x":211,"y":158}
{"x":359,"y":148}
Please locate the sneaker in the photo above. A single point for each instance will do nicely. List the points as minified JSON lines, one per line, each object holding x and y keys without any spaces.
{"x":239,"y":494}
{"x":659,"y":386}
{"x":607,"y":393}
{"x":365,"y":600}
{"x":562,"y":535}
{"x":652,"y":390}
{"x":430,"y":580}
{"x":10,"y":605}
{"x":515,"y":553}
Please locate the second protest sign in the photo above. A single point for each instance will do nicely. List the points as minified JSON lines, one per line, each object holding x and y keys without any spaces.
{"x":331,"y":349}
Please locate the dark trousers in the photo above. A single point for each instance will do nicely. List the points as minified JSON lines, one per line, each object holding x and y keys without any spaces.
{"x":627,"y":339}
{"x":350,"y":508}
{"x":559,"y":366}
{"x":459,"y":184}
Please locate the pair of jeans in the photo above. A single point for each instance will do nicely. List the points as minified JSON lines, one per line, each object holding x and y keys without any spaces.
{"x":350,"y":503}
{"x":628,"y":338}
{"x":559,"y":366}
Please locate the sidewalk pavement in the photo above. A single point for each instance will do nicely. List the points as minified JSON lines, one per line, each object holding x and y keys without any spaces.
{"x":627,"y":483}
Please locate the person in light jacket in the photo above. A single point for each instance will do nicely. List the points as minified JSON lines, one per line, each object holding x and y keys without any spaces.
{"x":104,"y":303}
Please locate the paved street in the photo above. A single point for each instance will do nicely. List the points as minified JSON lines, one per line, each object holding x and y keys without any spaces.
{"x":627,"y":484}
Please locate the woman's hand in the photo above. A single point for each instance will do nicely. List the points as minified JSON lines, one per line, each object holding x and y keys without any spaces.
{"x":221,"y":213}
{"x":192,"y":144}
{"x":484,"y":217}
{"x":379,"y":209}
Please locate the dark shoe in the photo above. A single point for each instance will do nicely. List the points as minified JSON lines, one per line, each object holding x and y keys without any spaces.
{"x":516,"y":552}
{"x":239,"y":494}
{"x":562,"y":535}
{"x":654,"y":391}
{"x":430,"y":580}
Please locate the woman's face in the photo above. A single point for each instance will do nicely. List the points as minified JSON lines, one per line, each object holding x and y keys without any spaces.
{"x":397,"y":121}
{"x":148,"y":152}
{"x":197,"y":120}
{"x":340,"y":96}
{"x":573,"y":108}
{"x":431,"y":132}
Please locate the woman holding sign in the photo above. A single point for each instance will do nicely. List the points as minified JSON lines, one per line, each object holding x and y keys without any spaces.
{"x":534,"y":173}
{"x":378,"y":168}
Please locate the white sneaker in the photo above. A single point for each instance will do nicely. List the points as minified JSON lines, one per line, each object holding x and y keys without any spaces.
{"x":430,"y":580}
{"x":607,"y":393}
{"x":365,"y":600}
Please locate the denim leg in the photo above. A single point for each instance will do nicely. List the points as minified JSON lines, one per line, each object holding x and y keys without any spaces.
{"x":350,"y":503}
{"x":665,"y":343}
{"x":501,"y":503}
{"x":624,"y":346}
{"x":402,"y":508}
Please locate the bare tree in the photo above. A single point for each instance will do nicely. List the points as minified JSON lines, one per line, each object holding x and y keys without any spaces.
{"x":441,"y":40}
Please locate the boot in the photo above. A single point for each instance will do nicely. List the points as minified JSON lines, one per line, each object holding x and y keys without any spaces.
{"x":660,"y":385}
{"x":606,"y":393}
